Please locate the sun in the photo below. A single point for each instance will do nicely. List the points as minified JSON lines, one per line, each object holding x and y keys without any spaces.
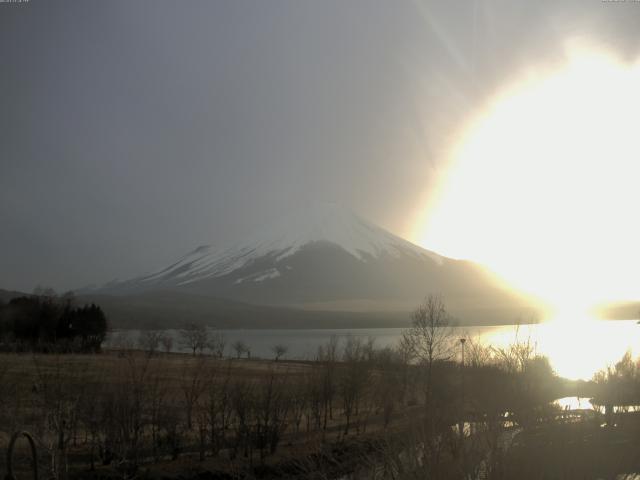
{"x":544,"y":186}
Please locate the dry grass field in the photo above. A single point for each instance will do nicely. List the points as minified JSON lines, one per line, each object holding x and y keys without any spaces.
{"x":359,"y":411}
{"x":126,"y":411}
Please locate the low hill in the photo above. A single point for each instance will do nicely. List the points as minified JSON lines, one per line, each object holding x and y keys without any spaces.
{"x":163,"y":309}
{"x":6,"y":295}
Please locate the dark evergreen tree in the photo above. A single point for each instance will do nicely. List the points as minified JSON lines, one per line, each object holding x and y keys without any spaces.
{"x":47,"y":322}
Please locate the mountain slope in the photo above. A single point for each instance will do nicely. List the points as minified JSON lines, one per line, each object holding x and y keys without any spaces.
{"x":326,"y":258}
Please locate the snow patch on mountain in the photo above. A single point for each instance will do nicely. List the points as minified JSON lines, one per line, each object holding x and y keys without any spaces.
{"x":259,"y":277}
{"x":271,"y":273}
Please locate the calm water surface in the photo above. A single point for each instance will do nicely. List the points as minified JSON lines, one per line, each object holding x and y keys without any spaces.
{"x":576,"y":349}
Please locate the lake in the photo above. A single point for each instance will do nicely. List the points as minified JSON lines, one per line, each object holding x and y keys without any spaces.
{"x":576,"y":349}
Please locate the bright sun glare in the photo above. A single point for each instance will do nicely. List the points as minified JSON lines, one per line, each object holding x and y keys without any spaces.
{"x":543,"y":185}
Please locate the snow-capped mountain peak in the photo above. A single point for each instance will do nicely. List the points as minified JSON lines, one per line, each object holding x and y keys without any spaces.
{"x":319,"y":258}
{"x":326,"y":223}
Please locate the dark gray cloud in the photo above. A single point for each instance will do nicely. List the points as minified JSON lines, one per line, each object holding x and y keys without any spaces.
{"x":132,"y":131}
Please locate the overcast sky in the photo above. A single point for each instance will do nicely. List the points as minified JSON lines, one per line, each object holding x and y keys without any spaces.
{"x":134,"y":131}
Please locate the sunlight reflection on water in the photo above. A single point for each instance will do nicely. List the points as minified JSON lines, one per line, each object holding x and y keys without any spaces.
{"x":574,"y":403}
{"x":576,"y":350}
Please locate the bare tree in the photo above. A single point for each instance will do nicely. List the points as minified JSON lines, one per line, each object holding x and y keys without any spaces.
{"x":91,"y":416}
{"x":328,"y":356}
{"x":430,"y":337}
{"x":167,"y":342}
{"x":314,"y":381}
{"x":217,"y":411}
{"x":122,"y":341}
{"x":387,"y":383}
{"x":217,"y":344}
{"x":515,"y":357}
{"x":477,"y":353}
{"x":354,"y":378}
{"x":58,"y":394}
{"x":240,"y":347}
{"x":279,"y":351}
{"x":370,"y":348}
{"x":157,"y":403}
{"x":299,"y":398}
{"x":405,"y":354}
{"x":194,"y":337}
{"x":149,"y":341}
{"x":271,"y":406}
{"x":192,"y":384}
{"x":242,"y":393}
{"x":129,"y":409}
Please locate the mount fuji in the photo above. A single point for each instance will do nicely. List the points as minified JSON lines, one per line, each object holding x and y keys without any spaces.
{"x":328,"y":259}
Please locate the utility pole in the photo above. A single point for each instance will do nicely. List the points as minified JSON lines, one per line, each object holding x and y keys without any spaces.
{"x":462,"y":342}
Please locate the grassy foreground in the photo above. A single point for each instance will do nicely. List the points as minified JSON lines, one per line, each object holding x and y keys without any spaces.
{"x":122,"y":413}
{"x":364,"y":412}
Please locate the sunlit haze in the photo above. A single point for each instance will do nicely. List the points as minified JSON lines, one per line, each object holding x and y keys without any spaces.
{"x":543,"y":183}
{"x":575,"y":351}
